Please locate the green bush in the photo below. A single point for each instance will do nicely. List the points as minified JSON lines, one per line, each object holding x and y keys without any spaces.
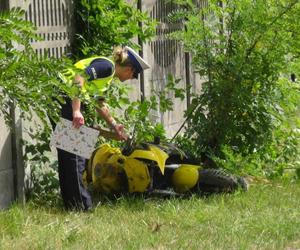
{"x":244,"y":51}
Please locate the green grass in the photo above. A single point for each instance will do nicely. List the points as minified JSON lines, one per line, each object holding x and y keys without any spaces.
{"x":266,"y":217}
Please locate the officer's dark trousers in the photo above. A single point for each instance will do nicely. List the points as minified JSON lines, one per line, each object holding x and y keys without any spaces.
{"x":70,"y":170}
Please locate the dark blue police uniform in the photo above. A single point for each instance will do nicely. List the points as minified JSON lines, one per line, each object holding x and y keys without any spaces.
{"x":70,"y":166}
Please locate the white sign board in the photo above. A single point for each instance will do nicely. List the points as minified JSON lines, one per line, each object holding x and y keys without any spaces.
{"x":80,"y":141}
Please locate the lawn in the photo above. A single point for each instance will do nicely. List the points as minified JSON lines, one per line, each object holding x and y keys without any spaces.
{"x":266,"y":217}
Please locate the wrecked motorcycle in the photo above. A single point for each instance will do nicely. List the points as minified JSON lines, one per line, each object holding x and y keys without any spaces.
{"x":154,"y":168}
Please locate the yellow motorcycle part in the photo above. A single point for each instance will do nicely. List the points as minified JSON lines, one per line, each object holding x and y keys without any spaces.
{"x":102,"y":154}
{"x":107,"y":174}
{"x":137,"y":175}
{"x":185,"y":177}
{"x":154,"y":154}
{"x":109,"y":168}
{"x":98,"y":169}
{"x":108,"y":178}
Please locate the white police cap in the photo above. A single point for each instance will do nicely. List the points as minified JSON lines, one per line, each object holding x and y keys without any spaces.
{"x":137,"y":61}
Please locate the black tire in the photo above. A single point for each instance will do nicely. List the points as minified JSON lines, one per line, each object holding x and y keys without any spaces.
{"x":218,"y":181}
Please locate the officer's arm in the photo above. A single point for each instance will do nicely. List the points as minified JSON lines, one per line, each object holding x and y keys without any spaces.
{"x":78,"y":118}
{"x":103,"y":111}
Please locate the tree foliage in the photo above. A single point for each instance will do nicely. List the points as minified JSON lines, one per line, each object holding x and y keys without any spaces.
{"x":103,"y":24}
{"x":25,"y":79}
{"x":243,"y":50}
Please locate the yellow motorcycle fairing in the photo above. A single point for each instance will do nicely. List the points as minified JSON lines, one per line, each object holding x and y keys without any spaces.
{"x":97,"y":170}
{"x":112,"y":172}
{"x":185,"y":177}
{"x":101,"y":156}
{"x":137,"y":175}
{"x":108,"y":175}
{"x":108,"y":178}
{"x":154,"y":154}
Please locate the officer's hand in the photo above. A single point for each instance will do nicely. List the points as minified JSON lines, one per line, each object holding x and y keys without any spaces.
{"x":78,"y":119}
{"x":119,"y":129}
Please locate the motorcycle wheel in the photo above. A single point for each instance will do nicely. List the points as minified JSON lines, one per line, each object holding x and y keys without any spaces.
{"x":218,"y":181}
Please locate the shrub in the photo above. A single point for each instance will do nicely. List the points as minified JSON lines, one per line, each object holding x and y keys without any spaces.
{"x":244,"y":51}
